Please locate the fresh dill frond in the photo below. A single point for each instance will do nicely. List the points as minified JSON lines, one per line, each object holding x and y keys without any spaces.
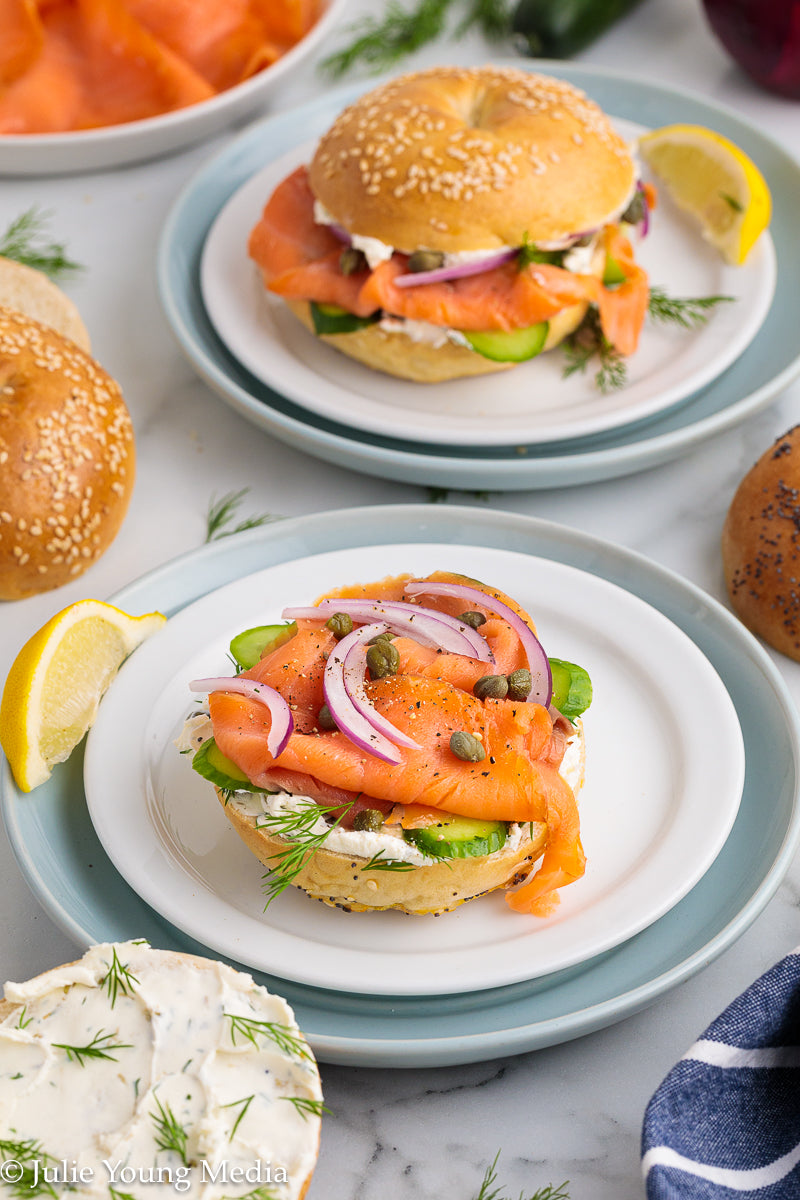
{"x":170,"y":1134}
{"x":490,"y":1179}
{"x":30,"y":1157}
{"x":245,"y":1104}
{"x":380,"y":42}
{"x":258,"y":1193}
{"x":297,"y":827}
{"x":379,"y":863}
{"x":689,"y":312}
{"x":115,"y":1195}
{"x":118,"y":979}
{"x":284,"y":1037}
{"x":588,"y":344}
{"x":307,"y":1107}
{"x":529,"y":253}
{"x":100,"y":1046}
{"x":221,"y":512}
{"x":492,"y":17}
{"x":21,"y":241}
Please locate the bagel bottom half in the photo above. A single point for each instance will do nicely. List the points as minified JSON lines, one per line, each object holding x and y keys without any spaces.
{"x":338,"y":880}
{"x":395,"y":353}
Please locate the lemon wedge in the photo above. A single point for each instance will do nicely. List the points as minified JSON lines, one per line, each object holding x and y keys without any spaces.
{"x":57,"y":680}
{"x":713,"y":180}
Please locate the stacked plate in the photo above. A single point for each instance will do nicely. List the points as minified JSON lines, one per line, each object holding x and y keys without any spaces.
{"x":689,"y":814}
{"x":533,"y":426}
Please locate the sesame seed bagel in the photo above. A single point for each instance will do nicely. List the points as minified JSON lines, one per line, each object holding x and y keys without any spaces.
{"x":67,"y":458}
{"x":761,"y":546}
{"x":337,"y":879}
{"x":455,"y":159}
{"x":395,"y":353}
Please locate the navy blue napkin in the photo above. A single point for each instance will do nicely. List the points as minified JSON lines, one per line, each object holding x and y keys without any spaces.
{"x":725,"y":1123}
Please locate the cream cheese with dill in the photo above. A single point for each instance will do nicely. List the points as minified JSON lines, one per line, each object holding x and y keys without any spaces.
{"x":143,"y":1073}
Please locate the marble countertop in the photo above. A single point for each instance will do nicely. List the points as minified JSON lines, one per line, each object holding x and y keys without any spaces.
{"x":571,"y":1112}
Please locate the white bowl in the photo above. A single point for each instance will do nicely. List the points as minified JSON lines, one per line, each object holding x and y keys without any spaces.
{"x":114,"y":145}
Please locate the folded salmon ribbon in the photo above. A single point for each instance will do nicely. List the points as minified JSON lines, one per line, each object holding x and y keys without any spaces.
{"x":83,"y":64}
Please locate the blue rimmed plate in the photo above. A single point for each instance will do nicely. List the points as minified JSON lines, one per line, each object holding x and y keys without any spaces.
{"x":769,"y":364}
{"x":66,"y":867}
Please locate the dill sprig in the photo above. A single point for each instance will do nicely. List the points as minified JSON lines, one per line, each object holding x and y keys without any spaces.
{"x":21,"y":241}
{"x":297,"y":827}
{"x":284,"y":1036}
{"x":170,"y":1134}
{"x":258,"y":1193}
{"x":245,"y":1104}
{"x":22,"y":1022}
{"x":115,"y":1195}
{"x":490,"y":1179}
{"x":307,"y":1107}
{"x":221,"y":512}
{"x":688,"y":312}
{"x":379,"y":863}
{"x":100,"y":1046}
{"x":31,"y":1157}
{"x":380,"y":42}
{"x":118,"y":978}
{"x":588,"y":344}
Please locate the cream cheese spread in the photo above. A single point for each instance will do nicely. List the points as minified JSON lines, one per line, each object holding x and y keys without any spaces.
{"x":141,"y":1073}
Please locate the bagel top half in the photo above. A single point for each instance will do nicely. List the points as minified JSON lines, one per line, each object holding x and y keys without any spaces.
{"x":455,"y":159}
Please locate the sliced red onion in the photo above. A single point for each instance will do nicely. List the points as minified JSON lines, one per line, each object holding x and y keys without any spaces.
{"x":425,"y":625}
{"x":459,"y":271}
{"x":357,"y":727}
{"x":354,"y":665}
{"x":538,"y":664}
{"x":644,"y":224}
{"x":341,"y":234}
{"x":282,"y":722}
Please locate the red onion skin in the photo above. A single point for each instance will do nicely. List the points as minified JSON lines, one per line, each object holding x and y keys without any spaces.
{"x":763,"y":37}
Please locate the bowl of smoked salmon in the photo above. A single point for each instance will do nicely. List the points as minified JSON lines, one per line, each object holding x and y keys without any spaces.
{"x":90,"y":86}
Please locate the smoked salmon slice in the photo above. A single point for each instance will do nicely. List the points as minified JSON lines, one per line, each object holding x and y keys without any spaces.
{"x":300,"y":260}
{"x":81,"y":64}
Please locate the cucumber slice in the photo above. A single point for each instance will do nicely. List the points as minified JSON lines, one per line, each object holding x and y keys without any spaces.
{"x":459,"y":837}
{"x":212,"y":764}
{"x":613,"y":273}
{"x":572,"y":688}
{"x":252,"y":644}
{"x":330,"y":318}
{"x":510,"y":345}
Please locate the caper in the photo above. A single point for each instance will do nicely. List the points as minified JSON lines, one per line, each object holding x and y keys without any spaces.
{"x":426,"y":260}
{"x":351,"y":261}
{"x":340,"y":624}
{"x":473,"y":619}
{"x":519,"y":684}
{"x":369,"y":819}
{"x":382,"y":659}
{"x":386,"y":636}
{"x":636,"y":210}
{"x":466,"y":746}
{"x":491,"y":687}
{"x":325,"y":718}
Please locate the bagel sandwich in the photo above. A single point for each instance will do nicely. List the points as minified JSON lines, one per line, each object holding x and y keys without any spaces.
{"x":458,"y":221}
{"x":380,"y":769}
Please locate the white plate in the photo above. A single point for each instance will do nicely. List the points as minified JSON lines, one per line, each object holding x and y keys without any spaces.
{"x":532,"y":403}
{"x":114,"y":145}
{"x":665,"y":770}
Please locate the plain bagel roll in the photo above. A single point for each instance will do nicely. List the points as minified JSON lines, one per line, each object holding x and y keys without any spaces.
{"x":458,"y":158}
{"x":430,"y":888}
{"x":31,"y":292}
{"x":67,"y":458}
{"x":148,"y":1067}
{"x":761,"y":546}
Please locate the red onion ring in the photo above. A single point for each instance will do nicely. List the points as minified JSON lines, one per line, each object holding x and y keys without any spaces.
{"x":354,"y":665}
{"x":282,"y":722}
{"x":460,"y":271}
{"x":644,"y":224}
{"x":542,"y":689}
{"x":356,"y":727}
{"x":425,"y":625}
